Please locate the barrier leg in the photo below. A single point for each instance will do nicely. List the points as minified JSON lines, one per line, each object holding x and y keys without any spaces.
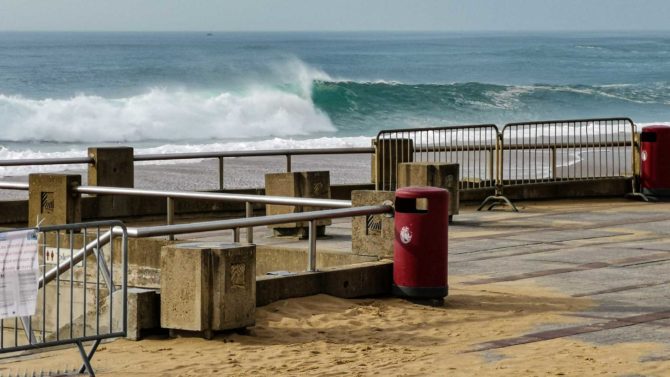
{"x":87,"y":357}
{"x":496,"y":200}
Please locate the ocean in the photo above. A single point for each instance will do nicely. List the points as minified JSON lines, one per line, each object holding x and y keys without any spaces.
{"x":188,"y":92}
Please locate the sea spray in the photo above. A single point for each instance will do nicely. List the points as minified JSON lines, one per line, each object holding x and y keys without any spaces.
{"x":161,"y":115}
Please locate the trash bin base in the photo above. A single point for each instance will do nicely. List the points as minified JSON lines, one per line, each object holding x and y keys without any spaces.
{"x":420,"y":292}
{"x":657,"y":192}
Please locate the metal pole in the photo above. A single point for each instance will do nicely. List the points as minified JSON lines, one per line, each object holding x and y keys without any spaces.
{"x":221,"y":173}
{"x":288,"y":163}
{"x":236,"y":235}
{"x":250,"y":230}
{"x":553,"y":163}
{"x":311,"y":251}
{"x":492,"y":170}
{"x":170,"y":215}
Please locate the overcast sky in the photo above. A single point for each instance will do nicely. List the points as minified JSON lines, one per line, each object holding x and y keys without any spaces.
{"x":333,"y":15}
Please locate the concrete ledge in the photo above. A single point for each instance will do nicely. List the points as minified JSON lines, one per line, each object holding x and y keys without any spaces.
{"x":275,"y":257}
{"x":362,"y":280}
{"x":14,"y":212}
{"x":606,"y":187}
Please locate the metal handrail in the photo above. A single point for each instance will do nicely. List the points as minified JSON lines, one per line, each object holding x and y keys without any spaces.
{"x":287,"y":153}
{"x":236,"y":224}
{"x":258,"y":153}
{"x":47,"y":161}
{"x":14,"y":185}
{"x":165,"y":230}
{"x":218,"y":196}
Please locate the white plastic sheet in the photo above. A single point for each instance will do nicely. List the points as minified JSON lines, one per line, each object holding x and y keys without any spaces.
{"x":19,"y":273}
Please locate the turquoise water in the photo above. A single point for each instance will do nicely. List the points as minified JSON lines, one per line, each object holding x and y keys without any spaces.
{"x":60,"y":92}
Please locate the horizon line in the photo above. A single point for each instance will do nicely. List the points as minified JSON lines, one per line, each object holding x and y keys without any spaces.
{"x":347,"y":31}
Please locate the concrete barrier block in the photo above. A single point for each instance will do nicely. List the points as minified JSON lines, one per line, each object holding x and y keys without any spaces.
{"x":208,"y":286}
{"x":311,"y":184}
{"x":372,"y":235}
{"x":441,"y":175}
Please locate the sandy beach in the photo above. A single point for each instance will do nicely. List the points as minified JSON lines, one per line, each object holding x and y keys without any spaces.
{"x":326,"y":336}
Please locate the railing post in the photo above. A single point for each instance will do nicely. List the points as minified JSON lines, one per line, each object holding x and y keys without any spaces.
{"x":311,"y":251}
{"x":249,"y":209}
{"x":288,"y":163}
{"x":499,"y":170}
{"x":170,"y":215}
{"x":236,"y":235}
{"x":491,"y":165}
{"x":111,"y":166}
{"x":553,"y":163}
{"x":53,"y":199}
{"x":221,"y":173}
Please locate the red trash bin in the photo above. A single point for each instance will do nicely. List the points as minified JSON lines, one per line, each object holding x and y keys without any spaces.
{"x":421,"y":242}
{"x":655,"y":160}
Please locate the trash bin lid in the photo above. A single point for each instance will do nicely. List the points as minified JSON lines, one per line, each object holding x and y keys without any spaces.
{"x":657,"y":128}
{"x":421,"y":192}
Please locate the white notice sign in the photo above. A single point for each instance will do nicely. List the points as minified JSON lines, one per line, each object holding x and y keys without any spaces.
{"x":19,"y":273}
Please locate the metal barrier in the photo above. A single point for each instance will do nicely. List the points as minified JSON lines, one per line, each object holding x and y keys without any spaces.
{"x":564,"y":150}
{"x":472,"y":147}
{"x":82,"y":297}
{"x":567,"y":150}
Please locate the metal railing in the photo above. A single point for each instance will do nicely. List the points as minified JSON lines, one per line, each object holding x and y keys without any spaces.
{"x":472,"y":147}
{"x":80,"y":306}
{"x":286,"y":153}
{"x":220,"y":156}
{"x":312,"y":217}
{"x":249,"y":200}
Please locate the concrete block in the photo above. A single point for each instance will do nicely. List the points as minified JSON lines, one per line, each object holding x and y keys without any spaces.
{"x":372,"y":235}
{"x":440,"y":175}
{"x":389,"y":153}
{"x":143,"y":311}
{"x":311,"y":184}
{"x":208,"y":286}
{"x":111,"y":166}
{"x":52,"y":198}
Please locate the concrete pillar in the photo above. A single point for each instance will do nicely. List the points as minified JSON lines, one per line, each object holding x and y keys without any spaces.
{"x":311,"y":184}
{"x":207,"y":287}
{"x":388,"y":154}
{"x":432,"y":174}
{"x":372,"y":235}
{"x":53,"y":199}
{"x":111,"y":166}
